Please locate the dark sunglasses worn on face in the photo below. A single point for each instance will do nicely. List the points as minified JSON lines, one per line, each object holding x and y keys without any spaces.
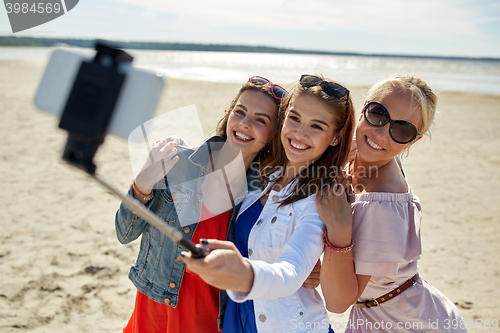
{"x":332,"y":89}
{"x":401,"y":131}
{"x":278,"y":91}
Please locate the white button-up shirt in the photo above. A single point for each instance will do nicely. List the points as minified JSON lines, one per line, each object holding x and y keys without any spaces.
{"x":283,"y":247}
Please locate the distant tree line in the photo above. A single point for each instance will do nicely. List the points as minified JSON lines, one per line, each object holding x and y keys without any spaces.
{"x":87,"y":43}
{"x":45,"y":42}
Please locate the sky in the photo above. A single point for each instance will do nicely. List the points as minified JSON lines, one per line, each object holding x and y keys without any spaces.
{"x":465,"y":28}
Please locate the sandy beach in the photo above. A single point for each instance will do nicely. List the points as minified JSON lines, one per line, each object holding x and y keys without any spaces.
{"x":63,"y":269}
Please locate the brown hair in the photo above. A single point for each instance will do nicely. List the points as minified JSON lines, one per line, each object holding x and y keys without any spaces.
{"x":335,"y":157}
{"x":221,"y":128}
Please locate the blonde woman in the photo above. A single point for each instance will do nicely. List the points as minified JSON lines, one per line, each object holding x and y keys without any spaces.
{"x":371,"y":255}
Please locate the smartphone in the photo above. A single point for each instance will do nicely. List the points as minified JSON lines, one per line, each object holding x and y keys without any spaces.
{"x":136,"y":103}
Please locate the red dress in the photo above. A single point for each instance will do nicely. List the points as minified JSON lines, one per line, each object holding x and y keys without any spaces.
{"x":198,"y":306}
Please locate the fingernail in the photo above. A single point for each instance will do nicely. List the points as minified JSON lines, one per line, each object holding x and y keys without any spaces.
{"x":181,"y":255}
{"x":203,"y":241}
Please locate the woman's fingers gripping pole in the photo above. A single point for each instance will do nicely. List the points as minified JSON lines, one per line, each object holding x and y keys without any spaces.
{"x":224,"y":267}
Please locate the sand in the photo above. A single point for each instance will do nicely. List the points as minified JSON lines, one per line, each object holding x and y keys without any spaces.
{"x":62,"y":269}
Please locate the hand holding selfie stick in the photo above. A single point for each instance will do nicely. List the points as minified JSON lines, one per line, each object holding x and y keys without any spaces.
{"x":86,"y":117}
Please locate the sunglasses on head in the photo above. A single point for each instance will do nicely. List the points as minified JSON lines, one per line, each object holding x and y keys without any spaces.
{"x":401,"y":131}
{"x":332,"y":89}
{"x":278,"y":91}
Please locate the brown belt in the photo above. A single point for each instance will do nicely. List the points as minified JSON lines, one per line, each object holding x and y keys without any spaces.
{"x":384,"y":298}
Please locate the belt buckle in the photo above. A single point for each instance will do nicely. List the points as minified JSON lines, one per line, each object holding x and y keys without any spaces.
{"x":372,"y":306}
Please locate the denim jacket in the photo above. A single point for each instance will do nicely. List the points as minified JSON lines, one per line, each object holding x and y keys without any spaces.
{"x":158,"y":272}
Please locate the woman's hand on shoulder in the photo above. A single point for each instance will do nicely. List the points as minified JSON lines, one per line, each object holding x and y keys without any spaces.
{"x":160,"y":161}
{"x":224,"y":267}
{"x":335,"y":211}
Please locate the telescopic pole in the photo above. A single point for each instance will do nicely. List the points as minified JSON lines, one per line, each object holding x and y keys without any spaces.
{"x":148,"y":216}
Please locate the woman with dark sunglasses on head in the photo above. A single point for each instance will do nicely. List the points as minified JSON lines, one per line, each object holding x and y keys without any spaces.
{"x":283,"y":239}
{"x":371,"y":256}
{"x":180,"y":186}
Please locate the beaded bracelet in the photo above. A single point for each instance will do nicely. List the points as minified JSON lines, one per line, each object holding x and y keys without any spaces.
{"x":144,"y":197}
{"x":341,"y":250}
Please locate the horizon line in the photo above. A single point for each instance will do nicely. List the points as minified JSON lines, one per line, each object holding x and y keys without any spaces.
{"x":213,"y":47}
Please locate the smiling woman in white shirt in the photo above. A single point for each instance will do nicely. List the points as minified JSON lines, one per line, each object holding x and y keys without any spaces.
{"x":280,"y":232}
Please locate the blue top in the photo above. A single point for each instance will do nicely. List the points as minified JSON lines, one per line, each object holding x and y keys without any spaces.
{"x":240,"y":317}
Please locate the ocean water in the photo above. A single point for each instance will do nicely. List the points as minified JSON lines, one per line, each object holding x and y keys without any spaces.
{"x":482,"y":76}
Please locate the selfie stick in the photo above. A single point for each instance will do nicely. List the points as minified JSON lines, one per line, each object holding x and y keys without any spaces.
{"x":148,"y":216}
{"x":86,"y":116}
